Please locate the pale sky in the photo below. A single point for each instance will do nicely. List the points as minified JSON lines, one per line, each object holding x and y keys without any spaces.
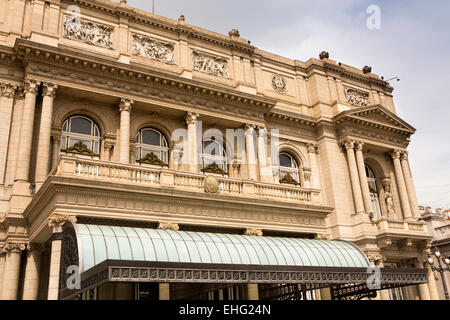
{"x":413,"y":44}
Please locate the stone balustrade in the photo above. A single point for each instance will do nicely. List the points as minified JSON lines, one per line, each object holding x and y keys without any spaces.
{"x":189,"y":181}
{"x":385,"y":225}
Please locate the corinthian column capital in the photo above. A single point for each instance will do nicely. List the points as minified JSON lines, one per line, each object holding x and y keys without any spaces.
{"x":348,"y":144}
{"x":8,"y":89}
{"x":359,"y":145}
{"x":31,"y":86}
{"x":404,"y":155}
{"x":312,"y":148}
{"x":49,"y":89}
{"x":262,"y":131}
{"x":249,"y":128}
{"x":191,"y":117}
{"x":15,"y":247}
{"x":125,"y":104}
{"x":395,"y":154}
{"x":56,"y":221}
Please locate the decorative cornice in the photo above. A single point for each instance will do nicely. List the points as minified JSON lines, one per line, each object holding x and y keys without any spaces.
{"x":49,"y":89}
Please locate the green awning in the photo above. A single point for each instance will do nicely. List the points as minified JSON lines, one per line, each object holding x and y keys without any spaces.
{"x":99,"y":243}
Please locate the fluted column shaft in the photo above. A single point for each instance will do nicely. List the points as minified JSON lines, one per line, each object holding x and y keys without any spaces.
{"x":31,"y":283}
{"x":124,"y":139}
{"x":191,"y":122}
{"x":43,"y":149}
{"x":353,"y":170}
{"x":409,"y":185}
{"x":7,"y":91}
{"x":362,"y":176}
{"x":250,"y":151}
{"x":26,"y":131}
{"x":11,"y":274}
{"x":401,"y":184}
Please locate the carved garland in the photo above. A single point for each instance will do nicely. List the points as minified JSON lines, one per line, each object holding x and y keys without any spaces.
{"x":215,"y":66}
{"x":157,"y":50}
{"x":356,"y":97}
{"x":88,"y":32}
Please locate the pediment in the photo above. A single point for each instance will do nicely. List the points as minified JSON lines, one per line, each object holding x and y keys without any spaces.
{"x":376,"y":115}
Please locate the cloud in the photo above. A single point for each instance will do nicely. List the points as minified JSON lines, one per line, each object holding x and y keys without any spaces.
{"x":413,"y":44}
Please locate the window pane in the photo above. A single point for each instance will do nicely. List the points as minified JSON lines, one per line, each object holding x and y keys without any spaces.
{"x":285,"y":160}
{"x":151,"y":137}
{"x":80,"y":125}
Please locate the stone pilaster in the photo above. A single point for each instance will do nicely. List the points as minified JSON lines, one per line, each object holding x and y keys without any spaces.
{"x":409,"y":185}
{"x":26,"y":130}
{"x":265,"y":170}
{"x":312,"y":153}
{"x":2,"y":269}
{"x":362,"y":176}
{"x":192,"y":156}
{"x":124,"y":139}
{"x":423,"y":288}
{"x":401,"y":184}
{"x":7,"y":91}
{"x":43,"y":150}
{"x":250,"y":151}
{"x":384,"y":294}
{"x":353,"y":170}
{"x":56,"y":222}
{"x":31,"y":283}
{"x":432,"y":286}
{"x":11,"y":274}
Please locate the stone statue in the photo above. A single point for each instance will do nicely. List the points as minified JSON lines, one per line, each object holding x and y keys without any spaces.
{"x":388,"y":199}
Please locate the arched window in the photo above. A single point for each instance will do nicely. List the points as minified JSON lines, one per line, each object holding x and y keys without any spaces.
{"x":288,"y":170}
{"x":80,"y":135}
{"x":374,"y":198}
{"x":214,"y":157}
{"x":152,"y":147}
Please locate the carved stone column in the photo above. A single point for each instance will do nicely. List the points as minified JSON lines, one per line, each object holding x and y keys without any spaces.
{"x":11,"y":270}
{"x":2,"y":269}
{"x":423,"y":288}
{"x":43,"y":149}
{"x":31,"y":283}
{"x":250,"y":151}
{"x":192,"y":155}
{"x":26,"y":130}
{"x":56,"y":145}
{"x":124,"y":139}
{"x":384,"y":294}
{"x":362,"y":176}
{"x":312,"y":152}
{"x":265,"y":170}
{"x":401,"y":184}
{"x":352,"y":168}
{"x":409,"y":185}
{"x":7,"y":91}
{"x":56,"y":222}
{"x":432,"y":287}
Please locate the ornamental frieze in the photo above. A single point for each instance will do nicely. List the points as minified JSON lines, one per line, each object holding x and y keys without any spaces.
{"x":279,"y":84}
{"x":215,"y":66}
{"x":88,"y":32}
{"x":148,"y":48}
{"x":356,"y":97}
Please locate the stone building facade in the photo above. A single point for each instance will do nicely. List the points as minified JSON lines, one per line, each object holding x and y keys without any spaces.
{"x":107,"y":116}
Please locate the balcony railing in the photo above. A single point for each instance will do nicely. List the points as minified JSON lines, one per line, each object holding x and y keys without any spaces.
{"x":385,"y":225}
{"x":162,"y":177}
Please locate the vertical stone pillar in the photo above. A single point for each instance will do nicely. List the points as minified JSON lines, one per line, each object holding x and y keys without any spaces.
{"x":164,"y":291}
{"x":423,"y":288}
{"x":56,"y":222}
{"x":11,"y":274}
{"x":362,"y":176}
{"x":356,"y":187}
{"x":124,"y":139}
{"x":31,"y":283}
{"x":2,"y":269}
{"x":312,"y":152}
{"x":325,"y":293}
{"x":265,"y":171}
{"x":250,"y":151}
{"x":193,"y":148}
{"x":401,"y":184}
{"x":409,"y":185}
{"x":7,"y":91}
{"x":252,"y":291}
{"x":43,"y":149}
{"x":432,"y":287}
{"x":26,"y":130}
{"x":384,"y":294}
{"x":56,"y":145}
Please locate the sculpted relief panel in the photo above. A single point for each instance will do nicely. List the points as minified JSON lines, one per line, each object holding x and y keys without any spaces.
{"x":215,"y":66}
{"x":88,"y":32}
{"x":157,"y":50}
{"x":356,"y":97}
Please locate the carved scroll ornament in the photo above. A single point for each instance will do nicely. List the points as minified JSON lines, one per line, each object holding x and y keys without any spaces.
{"x":215,"y":66}
{"x":88,"y":32}
{"x":157,"y":50}
{"x":356,"y":97}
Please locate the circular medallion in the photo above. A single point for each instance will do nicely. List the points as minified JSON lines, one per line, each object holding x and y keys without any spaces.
{"x":211,"y":184}
{"x":279,"y":84}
